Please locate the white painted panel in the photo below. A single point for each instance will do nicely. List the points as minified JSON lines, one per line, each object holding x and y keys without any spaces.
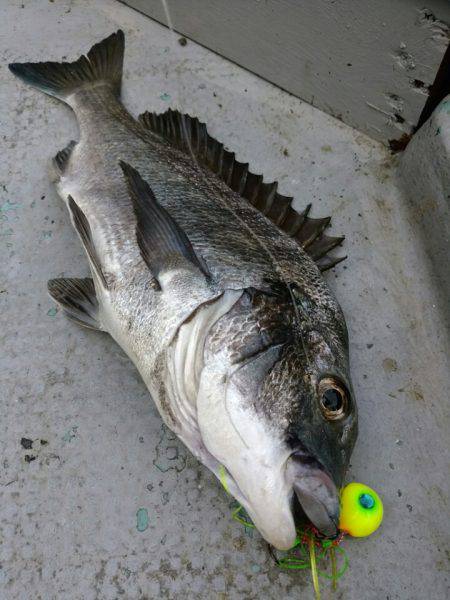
{"x":366,"y":62}
{"x":425,"y":179}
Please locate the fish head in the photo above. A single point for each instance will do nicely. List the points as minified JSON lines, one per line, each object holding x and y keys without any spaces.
{"x":282,"y":421}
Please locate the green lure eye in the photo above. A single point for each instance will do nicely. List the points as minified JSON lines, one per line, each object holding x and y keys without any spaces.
{"x":367,"y":501}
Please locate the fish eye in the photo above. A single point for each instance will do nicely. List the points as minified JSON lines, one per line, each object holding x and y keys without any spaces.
{"x":333,"y":399}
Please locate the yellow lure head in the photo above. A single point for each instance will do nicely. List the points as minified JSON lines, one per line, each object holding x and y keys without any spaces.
{"x":361,"y":510}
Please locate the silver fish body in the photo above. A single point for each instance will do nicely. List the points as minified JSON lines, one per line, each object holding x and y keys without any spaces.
{"x":228,"y":319}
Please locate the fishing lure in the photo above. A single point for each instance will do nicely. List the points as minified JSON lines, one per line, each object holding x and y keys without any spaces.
{"x":361,"y":513}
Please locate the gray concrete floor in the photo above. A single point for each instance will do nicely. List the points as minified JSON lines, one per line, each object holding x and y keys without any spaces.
{"x":68,"y":518}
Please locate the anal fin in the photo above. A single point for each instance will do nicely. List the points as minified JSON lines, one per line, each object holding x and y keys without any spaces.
{"x":62,"y":157}
{"x":77,"y":298}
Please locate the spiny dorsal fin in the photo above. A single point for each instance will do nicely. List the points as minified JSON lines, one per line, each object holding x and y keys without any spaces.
{"x":328,"y":262}
{"x":81,"y":224}
{"x":190,"y":135}
{"x":78,"y":299}
{"x":158,"y":234}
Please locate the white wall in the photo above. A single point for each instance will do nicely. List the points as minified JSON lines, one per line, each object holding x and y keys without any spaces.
{"x":367,"y":62}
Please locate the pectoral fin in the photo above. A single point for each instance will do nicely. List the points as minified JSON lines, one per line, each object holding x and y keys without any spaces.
{"x":161,"y":240}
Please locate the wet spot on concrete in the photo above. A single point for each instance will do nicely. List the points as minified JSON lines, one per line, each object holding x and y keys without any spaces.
{"x":384,"y":207}
{"x":5,"y":234}
{"x":8,"y":211}
{"x":172,"y":452}
{"x":142,"y":519}
{"x":168,"y":454}
{"x":53,"y":377}
{"x":414,"y":392}
{"x":390,"y":365}
{"x":239,"y":543}
{"x":70,"y":434}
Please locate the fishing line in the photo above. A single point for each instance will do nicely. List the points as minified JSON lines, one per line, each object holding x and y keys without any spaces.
{"x":308,"y":550}
{"x":209,"y":184}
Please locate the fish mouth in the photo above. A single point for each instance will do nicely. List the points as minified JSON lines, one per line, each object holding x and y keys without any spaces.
{"x":316,"y":493}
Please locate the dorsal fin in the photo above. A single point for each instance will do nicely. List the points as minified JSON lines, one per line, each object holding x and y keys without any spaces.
{"x":190,"y":135}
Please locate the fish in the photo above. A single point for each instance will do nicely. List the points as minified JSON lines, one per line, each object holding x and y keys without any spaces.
{"x":213,"y":285}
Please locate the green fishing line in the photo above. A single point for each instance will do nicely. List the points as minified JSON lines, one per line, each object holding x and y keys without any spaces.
{"x":360,"y":515}
{"x":239,"y":515}
{"x":303,"y":554}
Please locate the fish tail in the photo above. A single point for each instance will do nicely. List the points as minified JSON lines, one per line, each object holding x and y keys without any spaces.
{"x":102,"y":64}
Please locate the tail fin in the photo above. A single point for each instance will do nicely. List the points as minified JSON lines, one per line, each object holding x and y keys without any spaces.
{"x":103,"y":62}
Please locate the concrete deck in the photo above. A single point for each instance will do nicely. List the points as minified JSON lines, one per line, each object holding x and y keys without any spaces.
{"x":106,"y":503}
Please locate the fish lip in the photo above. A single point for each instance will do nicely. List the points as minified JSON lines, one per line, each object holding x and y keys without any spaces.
{"x":316,"y":493}
{"x":281,"y":537}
